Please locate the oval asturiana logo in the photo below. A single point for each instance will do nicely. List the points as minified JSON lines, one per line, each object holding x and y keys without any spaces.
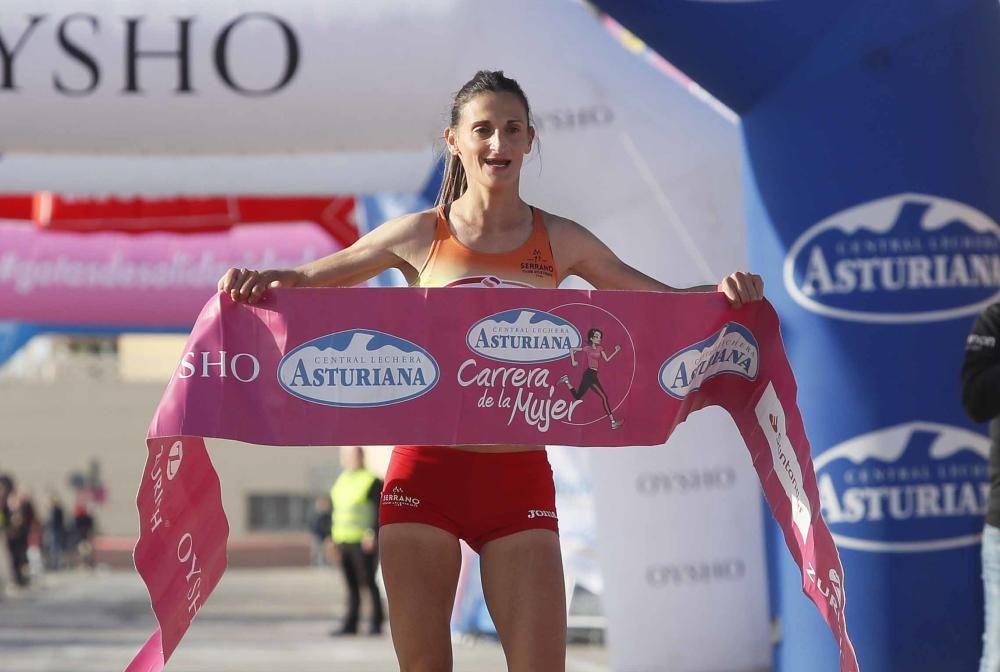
{"x":523,"y":336}
{"x":915,"y":487}
{"x":733,"y":349}
{"x":358,"y":368}
{"x":903,"y":258}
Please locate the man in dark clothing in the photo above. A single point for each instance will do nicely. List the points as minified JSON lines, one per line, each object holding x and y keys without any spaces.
{"x":17,"y":520}
{"x":83,"y":530}
{"x":981,"y":399}
{"x":355,"y":497}
{"x":55,"y":534}
{"x":8,"y":569}
{"x":319,"y":524}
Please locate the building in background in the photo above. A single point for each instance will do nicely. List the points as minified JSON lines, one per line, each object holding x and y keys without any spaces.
{"x":75,"y":405}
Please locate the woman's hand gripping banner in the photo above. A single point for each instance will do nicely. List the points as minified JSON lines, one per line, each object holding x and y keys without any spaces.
{"x":452,"y":367}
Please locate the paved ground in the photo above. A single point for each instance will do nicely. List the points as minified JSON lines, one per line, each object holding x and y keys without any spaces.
{"x":258,"y":620}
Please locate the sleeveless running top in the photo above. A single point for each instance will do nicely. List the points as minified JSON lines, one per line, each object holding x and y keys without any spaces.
{"x":451,"y":264}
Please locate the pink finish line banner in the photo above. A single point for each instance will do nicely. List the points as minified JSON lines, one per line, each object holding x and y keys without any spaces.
{"x":448,"y":367}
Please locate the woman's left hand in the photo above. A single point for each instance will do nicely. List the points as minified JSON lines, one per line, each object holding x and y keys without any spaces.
{"x":742,"y":288}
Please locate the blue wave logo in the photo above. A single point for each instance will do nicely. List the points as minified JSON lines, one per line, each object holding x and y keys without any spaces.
{"x":358,"y":368}
{"x":733,"y":349}
{"x":904,"y":258}
{"x":915,"y":487}
{"x":523,"y":336}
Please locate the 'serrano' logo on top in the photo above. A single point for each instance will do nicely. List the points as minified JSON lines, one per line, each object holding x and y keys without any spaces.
{"x":357,"y":368}
{"x":733,"y":349}
{"x":904,"y":258}
{"x":523,"y":336}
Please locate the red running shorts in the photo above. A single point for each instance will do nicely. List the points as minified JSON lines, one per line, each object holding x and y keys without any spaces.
{"x":477,"y":497}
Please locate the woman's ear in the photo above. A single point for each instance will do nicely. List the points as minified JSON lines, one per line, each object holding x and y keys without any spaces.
{"x":451,"y":140}
{"x":531,"y":138}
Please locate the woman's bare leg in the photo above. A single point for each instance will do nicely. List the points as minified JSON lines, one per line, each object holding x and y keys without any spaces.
{"x":420,"y":566}
{"x":524,"y":589}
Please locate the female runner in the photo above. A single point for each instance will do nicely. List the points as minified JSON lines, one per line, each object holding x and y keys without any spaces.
{"x":480,"y":233}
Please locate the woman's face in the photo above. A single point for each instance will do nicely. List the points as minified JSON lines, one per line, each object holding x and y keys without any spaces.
{"x":596,"y":338}
{"x":491,"y":139}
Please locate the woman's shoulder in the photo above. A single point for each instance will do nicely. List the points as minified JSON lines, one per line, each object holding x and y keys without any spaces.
{"x":557,"y":223}
{"x":563,"y":230}
{"x":409,"y":237}
{"x":571,"y":242}
{"x":414,"y":221}
{"x":413,"y":227}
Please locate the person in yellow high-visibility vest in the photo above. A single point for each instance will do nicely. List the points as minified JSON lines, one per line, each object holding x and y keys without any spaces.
{"x":354,"y":528}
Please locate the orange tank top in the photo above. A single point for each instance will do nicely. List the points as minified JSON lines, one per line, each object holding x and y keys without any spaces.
{"x":452,"y":264}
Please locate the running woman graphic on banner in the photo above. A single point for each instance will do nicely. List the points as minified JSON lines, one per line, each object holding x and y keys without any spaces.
{"x":594,"y":352}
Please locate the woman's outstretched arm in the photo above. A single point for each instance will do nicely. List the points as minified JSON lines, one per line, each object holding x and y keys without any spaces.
{"x":396,"y":244}
{"x":579,"y":252}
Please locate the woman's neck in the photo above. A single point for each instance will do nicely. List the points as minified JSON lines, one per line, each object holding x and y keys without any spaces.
{"x":495,"y":211}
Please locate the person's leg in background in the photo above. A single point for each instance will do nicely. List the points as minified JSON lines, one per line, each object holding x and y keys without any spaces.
{"x":370,"y":564}
{"x":991,"y":592}
{"x":350,"y":567}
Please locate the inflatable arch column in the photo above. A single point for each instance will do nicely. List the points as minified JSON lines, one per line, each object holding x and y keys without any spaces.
{"x":873,"y":196}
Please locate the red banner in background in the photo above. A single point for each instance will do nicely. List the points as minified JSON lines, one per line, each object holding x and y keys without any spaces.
{"x":47,"y":210}
{"x":16,"y":206}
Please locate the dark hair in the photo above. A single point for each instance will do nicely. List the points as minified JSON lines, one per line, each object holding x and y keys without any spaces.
{"x":454,"y":182}
{"x":593,"y":332}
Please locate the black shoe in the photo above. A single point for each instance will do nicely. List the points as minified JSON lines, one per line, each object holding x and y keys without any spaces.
{"x":344,"y":632}
{"x":376,"y":630}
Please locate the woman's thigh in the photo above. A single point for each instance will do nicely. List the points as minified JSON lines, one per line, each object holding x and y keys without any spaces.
{"x":420,"y":567}
{"x":526,"y":595}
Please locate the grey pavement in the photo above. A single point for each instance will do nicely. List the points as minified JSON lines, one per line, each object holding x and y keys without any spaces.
{"x":257,"y":620}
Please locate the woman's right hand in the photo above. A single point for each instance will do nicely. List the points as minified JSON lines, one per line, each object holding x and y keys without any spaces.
{"x":245,"y":285}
